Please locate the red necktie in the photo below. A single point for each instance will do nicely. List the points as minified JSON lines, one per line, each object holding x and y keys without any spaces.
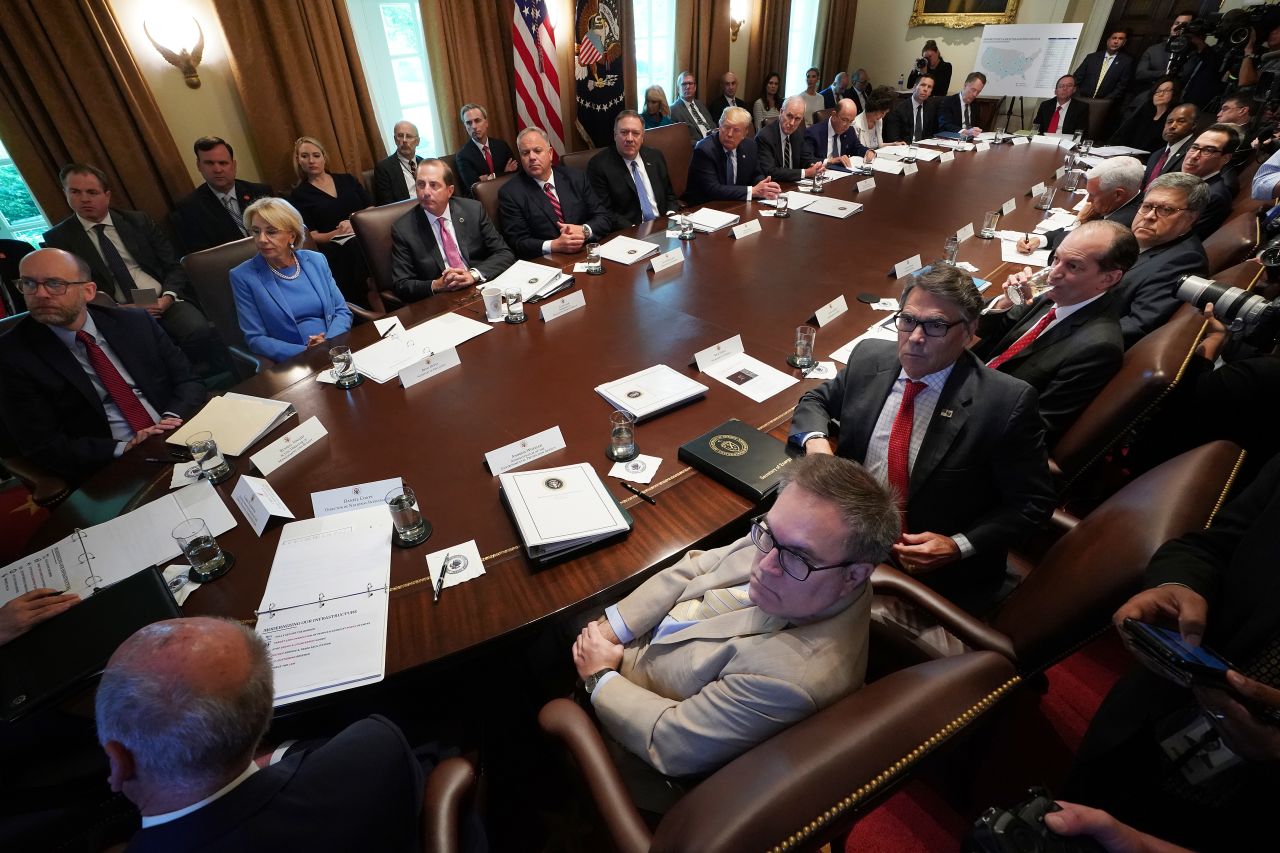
{"x":555,"y":202}
{"x":488,"y":158}
{"x":1025,"y":341}
{"x":1155,"y":173}
{"x":1053,"y":122}
{"x":451,"y":254}
{"x":900,"y":443}
{"x":135,"y":415}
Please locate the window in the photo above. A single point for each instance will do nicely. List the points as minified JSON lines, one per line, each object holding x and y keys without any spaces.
{"x":20,"y":216}
{"x":394,"y":55}
{"x":801,"y":35}
{"x":655,"y":24}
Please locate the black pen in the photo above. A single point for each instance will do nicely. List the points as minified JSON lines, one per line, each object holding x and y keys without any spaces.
{"x":159,"y":461}
{"x":391,"y":329}
{"x":633,"y":490}
{"x":439,"y":588}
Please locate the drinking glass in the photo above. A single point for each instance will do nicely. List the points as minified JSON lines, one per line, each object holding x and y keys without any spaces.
{"x":622,"y":436}
{"x":514,"y":303}
{"x":1045,"y":201}
{"x":410,"y":527}
{"x":208,"y":561}
{"x":1038,"y":283}
{"x":345,"y":374}
{"x":686,"y":228}
{"x":911,"y":154}
{"x":210,"y":463}
{"x":1086,"y":146}
{"x":990,"y":220}
{"x":951,"y":249}
{"x":802,"y":358}
{"x":782,"y":211}
{"x":1035,"y":130}
{"x":594,"y":265}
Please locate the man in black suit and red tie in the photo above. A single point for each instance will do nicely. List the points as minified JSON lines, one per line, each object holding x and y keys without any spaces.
{"x":1063,"y":113}
{"x":214,"y":213}
{"x":725,"y":166}
{"x":482,"y":158}
{"x":631,"y":178}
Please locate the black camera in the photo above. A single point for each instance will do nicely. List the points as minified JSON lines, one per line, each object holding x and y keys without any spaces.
{"x":1022,"y":830}
{"x":1240,"y":311}
{"x":922,"y":64}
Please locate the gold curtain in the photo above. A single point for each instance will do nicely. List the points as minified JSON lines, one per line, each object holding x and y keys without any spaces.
{"x":768,"y":50}
{"x":298,"y":73}
{"x":462,"y":73}
{"x":71,"y":91}
{"x":702,"y":43}
{"x":835,"y":39}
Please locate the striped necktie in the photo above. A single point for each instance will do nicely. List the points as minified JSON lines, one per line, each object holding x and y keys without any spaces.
{"x":555,"y":202}
{"x":713,"y":603}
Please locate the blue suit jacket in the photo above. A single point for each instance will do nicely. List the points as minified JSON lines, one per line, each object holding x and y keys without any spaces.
{"x":707,"y":171}
{"x":269,"y":327}
{"x":817,"y":141}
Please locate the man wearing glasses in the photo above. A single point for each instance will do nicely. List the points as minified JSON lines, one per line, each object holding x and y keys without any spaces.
{"x":83,"y":385}
{"x":961,"y":445}
{"x":395,"y":177}
{"x":1206,"y":158}
{"x":728,"y":647}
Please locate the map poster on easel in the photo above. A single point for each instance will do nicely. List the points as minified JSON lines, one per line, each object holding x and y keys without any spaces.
{"x":1026,"y":60}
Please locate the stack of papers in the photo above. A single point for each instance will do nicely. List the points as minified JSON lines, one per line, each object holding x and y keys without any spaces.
{"x":1117,"y":151}
{"x":883,"y":330}
{"x":237,"y":421}
{"x":557,"y":510}
{"x":836,"y":207}
{"x":651,"y":392}
{"x":955,"y":144}
{"x":795,"y":200}
{"x":1058,"y":218}
{"x":708,"y":219}
{"x":1054,"y":139}
{"x":897,"y":152}
{"x":881,"y":164}
{"x":531,"y":278}
{"x":385,"y":359}
{"x":1009,"y":254}
{"x":626,"y":250}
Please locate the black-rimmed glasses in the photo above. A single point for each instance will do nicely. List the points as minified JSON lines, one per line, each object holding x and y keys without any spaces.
{"x":933,"y":328}
{"x":53,"y":286}
{"x":792,"y":563}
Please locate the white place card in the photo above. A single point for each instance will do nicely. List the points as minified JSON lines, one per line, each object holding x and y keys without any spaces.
{"x":910,"y":169}
{"x":641,"y":470}
{"x":258,"y":501}
{"x":864,"y":185}
{"x":525,"y":450}
{"x":947,"y":157}
{"x":347,"y":498}
{"x":1059,"y":172}
{"x":289,"y":445}
{"x":982,"y":146}
{"x":667,"y":260}
{"x":965,"y":233}
{"x":907,"y":267}
{"x":726,"y":348}
{"x":831,"y":310}
{"x":460,"y":564}
{"x":746,"y":229}
{"x":822,"y":370}
{"x":1021,"y":140}
{"x":1037,"y":190}
{"x":563,"y":306}
{"x":388,"y":326}
{"x":428,"y":366}
{"x":766,"y":213}
{"x":580,"y":266}
{"x":966,"y":266}
{"x":1009,"y":207}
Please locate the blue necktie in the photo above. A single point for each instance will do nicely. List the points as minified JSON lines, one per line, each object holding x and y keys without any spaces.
{"x":733,"y":169}
{"x":646,"y":210}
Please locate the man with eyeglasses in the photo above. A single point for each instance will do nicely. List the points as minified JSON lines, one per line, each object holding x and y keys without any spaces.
{"x":83,"y":384}
{"x":961,"y":445}
{"x":395,"y":178}
{"x":1168,"y":249}
{"x":1206,"y":158}
{"x":728,"y":647}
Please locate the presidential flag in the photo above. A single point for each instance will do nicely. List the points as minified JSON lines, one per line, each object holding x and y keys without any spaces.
{"x":537,"y":83}
{"x":597,"y":68}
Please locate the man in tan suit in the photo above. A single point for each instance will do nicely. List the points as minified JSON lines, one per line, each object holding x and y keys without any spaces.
{"x":727,"y":647}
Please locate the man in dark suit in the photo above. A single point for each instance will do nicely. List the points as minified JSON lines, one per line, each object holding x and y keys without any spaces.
{"x":956,"y":115}
{"x":1206,"y":158}
{"x":729,"y":95}
{"x":833,"y":141}
{"x":689,"y":110}
{"x":547,"y":209}
{"x":181,"y":709}
{"x":725,"y":166}
{"x":445,"y":243}
{"x":83,"y":385}
{"x":786,"y":161}
{"x":859,"y":89}
{"x":833,"y":93}
{"x":1067,"y":343}
{"x":395,"y":176}
{"x":1113,"y":191}
{"x":134,"y":263}
{"x":1147,"y":295}
{"x":1063,"y":113}
{"x":482,"y":158}
{"x":1179,"y":126}
{"x":914,"y":118}
{"x":631,"y":178}
{"x":1106,"y":73}
{"x":930,"y":418}
{"x":1154,"y":62}
{"x":214,"y":213}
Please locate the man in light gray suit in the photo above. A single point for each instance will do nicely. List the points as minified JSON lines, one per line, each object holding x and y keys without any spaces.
{"x":690,"y":110}
{"x":728,"y":647}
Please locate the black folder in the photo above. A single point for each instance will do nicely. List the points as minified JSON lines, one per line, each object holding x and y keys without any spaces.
{"x":741,"y":457}
{"x":56,"y":656}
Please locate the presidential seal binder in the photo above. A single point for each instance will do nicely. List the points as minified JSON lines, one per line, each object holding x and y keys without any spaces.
{"x":739,"y":456}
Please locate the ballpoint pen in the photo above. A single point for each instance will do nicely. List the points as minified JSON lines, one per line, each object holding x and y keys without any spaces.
{"x":439,"y":587}
{"x":641,"y":495}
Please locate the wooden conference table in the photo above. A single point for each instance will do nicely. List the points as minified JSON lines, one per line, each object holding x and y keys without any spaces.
{"x":517,"y":380}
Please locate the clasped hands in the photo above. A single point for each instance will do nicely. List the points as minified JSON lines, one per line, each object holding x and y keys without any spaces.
{"x":455,"y":278}
{"x":596,"y":648}
{"x":571,"y":239}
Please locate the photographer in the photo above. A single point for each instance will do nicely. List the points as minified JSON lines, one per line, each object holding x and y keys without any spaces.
{"x":932,"y":64}
{"x":1154,"y":62}
{"x":1201,"y":72}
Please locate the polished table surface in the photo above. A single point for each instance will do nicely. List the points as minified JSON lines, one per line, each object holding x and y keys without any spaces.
{"x":516,"y":380}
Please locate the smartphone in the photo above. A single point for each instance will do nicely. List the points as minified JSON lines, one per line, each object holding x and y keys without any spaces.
{"x":1166,"y":649}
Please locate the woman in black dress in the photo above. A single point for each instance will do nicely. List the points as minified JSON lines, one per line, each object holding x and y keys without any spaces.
{"x":939,"y":69}
{"x":326,"y":203}
{"x":1145,"y":127}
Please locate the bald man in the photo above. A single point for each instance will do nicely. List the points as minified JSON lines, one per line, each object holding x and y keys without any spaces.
{"x":181,"y":709}
{"x":833,"y":141}
{"x":394,"y":178}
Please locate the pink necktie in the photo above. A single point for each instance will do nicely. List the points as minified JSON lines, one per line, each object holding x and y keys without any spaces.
{"x":135,"y":415}
{"x":1025,"y":341}
{"x":451,"y":254}
{"x":555,"y":202}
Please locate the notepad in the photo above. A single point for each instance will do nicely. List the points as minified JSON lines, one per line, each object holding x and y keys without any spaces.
{"x":709,"y":219}
{"x":835,"y":207}
{"x":626,"y":250}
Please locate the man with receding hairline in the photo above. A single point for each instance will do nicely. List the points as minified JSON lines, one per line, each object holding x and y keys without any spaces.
{"x":833,"y":141}
{"x":780,"y":145}
{"x":630,"y":178}
{"x":394,"y":177}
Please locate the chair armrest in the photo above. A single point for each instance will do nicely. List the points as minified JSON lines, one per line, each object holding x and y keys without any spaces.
{"x":973,"y":632}
{"x":364,"y":314}
{"x":390,"y":300}
{"x":247,"y":363}
{"x":563,"y":719}
{"x":447,"y":790}
{"x":47,"y":489}
{"x":808,"y":783}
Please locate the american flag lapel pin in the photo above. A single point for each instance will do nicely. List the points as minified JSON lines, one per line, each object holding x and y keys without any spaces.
{"x":946,"y":413}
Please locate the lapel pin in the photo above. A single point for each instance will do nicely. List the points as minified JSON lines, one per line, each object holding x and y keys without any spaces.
{"x":946,"y":413}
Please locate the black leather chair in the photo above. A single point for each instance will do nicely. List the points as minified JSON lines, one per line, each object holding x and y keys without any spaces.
{"x":11,"y":252}
{"x":373,"y":229}
{"x":448,"y":791}
{"x":579,"y":159}
{"x":674,"y":143}
{"x":486,"y":192}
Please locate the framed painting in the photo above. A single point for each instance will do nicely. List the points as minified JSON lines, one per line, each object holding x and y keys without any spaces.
{"x":959,"y":14}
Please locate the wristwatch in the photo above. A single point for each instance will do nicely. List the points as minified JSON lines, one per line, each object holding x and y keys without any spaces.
{"x":593,"y":680}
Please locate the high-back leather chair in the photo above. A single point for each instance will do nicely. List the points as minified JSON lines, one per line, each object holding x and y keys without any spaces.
{"x":1099,"y":113}
{"x":373,"y":229}
{"x":11,"y":252}
{"x":447,"y":792}
{"x":673,"y":141}
{"x":210,"y":271}
{"x":579,"y":159}
{"x":486,"y":192}
{"x":47,"y":489}
{"x":367,"y":178}
{"x":1235,"y":240}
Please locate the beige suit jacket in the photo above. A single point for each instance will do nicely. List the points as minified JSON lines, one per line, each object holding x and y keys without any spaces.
{"x":698,"y":697}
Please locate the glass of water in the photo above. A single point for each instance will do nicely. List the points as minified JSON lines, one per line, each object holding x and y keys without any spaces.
{"x":1077,"y":138}
{"x":686,"y":228}
{"x":1085,"y":147}
{"x":410,"y":527}
{"x":622,"y":436}
{"x":990,"y":220}
{"x":802,"y":358}
{"x":1038,"y":284}
{"x":208,"y":561}
{"x":951,"y":249}
{"x":1045,"y":202}
{"x":782,"y":210}
{"x":594,"y":265}
{"x":514,"y":302}
{"x":911,"y":154}
{"x":345,"y":374}
{"x":210,"y":463}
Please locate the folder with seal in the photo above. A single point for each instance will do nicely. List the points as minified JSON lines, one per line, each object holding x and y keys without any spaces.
{"x":559,"y":511}
{"x":739,"y":456}
{"x":651,"y":391}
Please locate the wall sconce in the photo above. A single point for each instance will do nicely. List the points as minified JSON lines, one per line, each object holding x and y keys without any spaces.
{"x":737,"y":17}
{"x":178,"y":49}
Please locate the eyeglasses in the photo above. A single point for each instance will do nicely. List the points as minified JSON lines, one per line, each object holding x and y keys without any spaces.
{"x":932,"y":328}
{"x":1161,"y":211}
{"x":1203,"y":149}
{"x":406,"y":136}
{"x":792,"y":563}
{"x":52,"y":286}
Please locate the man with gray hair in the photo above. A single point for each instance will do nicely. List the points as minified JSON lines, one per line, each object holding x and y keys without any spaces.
{"x":780,"y":145}
{"x":1113,"y":191}
{"x":927,"y":416}
{"x":725,"y":165}
{"x":181,"y":709}
{"x":482,"y":158}
{"x":394,"y":177}
{"x":688,"y":109}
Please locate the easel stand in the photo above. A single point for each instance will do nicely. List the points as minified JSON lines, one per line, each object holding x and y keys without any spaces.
{"x":1009,"y":112}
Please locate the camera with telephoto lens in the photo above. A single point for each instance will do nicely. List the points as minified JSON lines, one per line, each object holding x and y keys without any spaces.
{"x":922,"y":64}
{"x":1243,"y":313}
{"x":1022,"y":830}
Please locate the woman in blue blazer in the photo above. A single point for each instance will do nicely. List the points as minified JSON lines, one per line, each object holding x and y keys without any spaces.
{"x":286,"y":298}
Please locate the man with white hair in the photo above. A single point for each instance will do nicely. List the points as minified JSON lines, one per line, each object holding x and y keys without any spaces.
{"x":780,"y":145}
{"x":725,"y":165}
{"x":1112,"y":192}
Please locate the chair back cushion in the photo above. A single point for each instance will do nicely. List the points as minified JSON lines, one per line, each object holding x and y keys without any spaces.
{"x":373,"y":229}
{"x":210,"y":273}
{"x":579,"y":159}
{"x":1234,"y":240}
{"x":1099,"y":112}
{"x":673,"y":141}
{"x":486,"y":192}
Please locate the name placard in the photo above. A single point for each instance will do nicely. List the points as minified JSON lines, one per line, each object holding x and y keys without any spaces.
{"x":709,"y":356}
{"x":947,"y":157}
{"x":909,"y":169}
{"x":429,"y":366}
{"x":907,"y":267}
{"x":1060,"y":171}
{"x":965,"y":233}
{"x":868,"y":184}
{"x":288,"y":445}
{"x":831,"y":310}
{"x":1036,"y":190}
{"x":1021,"y":140}
{"x":347,"y":498}
{"x":983,"y":146}
{"x":1009,"y":207}
{"x":746,"y":229}
{"x":667,"y":260}
{"x":560,"y":307}
{"x":258,"y":501}
{"x":525,"y":450}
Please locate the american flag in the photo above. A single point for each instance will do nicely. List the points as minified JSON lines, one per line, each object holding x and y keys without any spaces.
{"x":537,"y":83}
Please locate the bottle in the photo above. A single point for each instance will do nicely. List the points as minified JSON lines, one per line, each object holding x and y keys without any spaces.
{"x":902,"y":82}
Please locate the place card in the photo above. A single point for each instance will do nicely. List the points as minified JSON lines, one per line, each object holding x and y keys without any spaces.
{"x":726,"y":348}
{"x":965,"y":233}
{"x":831,"y":310}
{"x":1059,"y":172}
{"x":982,"y":146}
{"x":907,"y":267}
{"x":947,"y":157}
{"x":289,"y":445}
{"x":524,"y":451}
{"x":580,"y":266}
{"x":428,"y":366}
{"x":868,"y":184}
{"x":258,"y":501}
{"x":347,"y":498}
{"x":746,"y":229}
{"x":1021,"y":140}
{"x":1036,"y":190}
{"x":1009,"y":207}
{"x":910,"y":169}
{"x":641,"y":470}
{"x":667,"y":260}
{"x":563,"y":306}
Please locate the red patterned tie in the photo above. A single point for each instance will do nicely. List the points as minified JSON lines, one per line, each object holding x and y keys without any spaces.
{"x":121,"y":394}
{"x":488,"y":158}
{"x":900,"y":443}
{"x":1025,"y":341}
{"x":1155,"y":173}
{"x":1053,"y":122}
{"x":451,"y":254}
{"x":555,"y":202}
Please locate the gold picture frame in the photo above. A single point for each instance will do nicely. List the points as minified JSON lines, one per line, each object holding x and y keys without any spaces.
{"x":959,"y":14}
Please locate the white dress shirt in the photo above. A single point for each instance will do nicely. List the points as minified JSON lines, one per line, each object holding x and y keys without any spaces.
{"x":155,"y":820}
{"x":542,"y":186}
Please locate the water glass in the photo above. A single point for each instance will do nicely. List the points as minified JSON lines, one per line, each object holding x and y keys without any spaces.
{"x":1071,"y":181}
{"x":207,"y":559}
{"x":411,"y":527}
{"x":594,"y":265}
{"x":1038,"y":284}
{"x":210,"y":463}
{"x":686,"y":228}
{"x":1077,"y":138}
{"x":1035,"y":130}
{"x":998,"y":137}
{"x":514,"y":302}
{"x":1086,"y":146}
{"x":783,"y":208}
{"x":345,"y":374}
{"x":990,"y":220}
{"x":1045,"y":201}
{"x":951,"y":249}
{"x":911,"y":154}
{"x":622,"y":436}
{"x":802,"y":358}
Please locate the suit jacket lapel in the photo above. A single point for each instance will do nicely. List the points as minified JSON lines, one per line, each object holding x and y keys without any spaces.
{"x":60,"y":359}
{"x":271,"y":287}
{"x":948,"y":418}
{"x":430,"y":240}
{"x":873,"y":386}
{"x":86,"y":247}
{"x":737,"y":623}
